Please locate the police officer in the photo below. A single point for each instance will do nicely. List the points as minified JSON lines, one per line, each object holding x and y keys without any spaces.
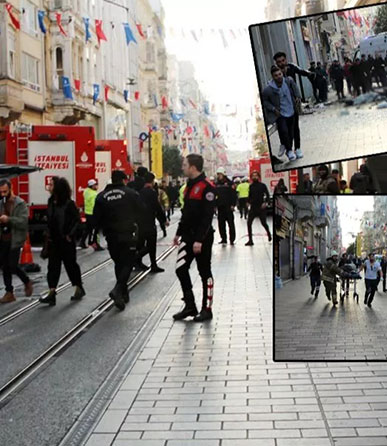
{"x":258,"y":200}
{"x":195,"y":237}
{"x":89,"y":197}
{"x":147,"y":230}
{"x":243,"y":194}
{"x":226,"y":198}
{"x":117,"y":211}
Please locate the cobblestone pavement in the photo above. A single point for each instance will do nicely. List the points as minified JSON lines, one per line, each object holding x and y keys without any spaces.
{"x":328,"y":136}
{"x":312,"y":329}
{"x":215,"y":384}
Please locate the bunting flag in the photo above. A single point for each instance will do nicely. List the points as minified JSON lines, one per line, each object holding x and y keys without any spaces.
{"x":155,"y":100}
{"x":99,"y":31}
{"x":42,"y":26}
{"x":14,"y":19}
{"x":183,"y":102}
{"x":159,"y":30}
{"x":206,"y":108}
{"x":95,"y":93}
{"x":86,"y":21}
{"x":68,"y":94}
{"x":164,"y":102}
{"x":107,"y":88}
{"x":126,"y":95}
{"x":140,"y":31}
{"x":136,"y":95}
{"x":223,"y":37}
{"x":194,"y":35}
{"x":58,"y":16}
{"x":77,"y":84}
{"x":129,"y":34}
{"x":176,"y":117}
{"x":192,"y":103}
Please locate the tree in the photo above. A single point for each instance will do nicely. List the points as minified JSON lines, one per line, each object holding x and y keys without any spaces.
{"x":381,"y":20}
{"x":172,"y":161}
{"x":351,"y":249}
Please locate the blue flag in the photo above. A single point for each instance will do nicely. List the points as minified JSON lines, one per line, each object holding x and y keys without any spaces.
{"x":126,"y":95}
{"x":128,"y":33}
{"x":67,"y":88}
{"x":41,"y":15}
{"x":86,"y":21}
{"x":95,"y":93}
{"x":176,"y":117}
{"x":155,"y":100}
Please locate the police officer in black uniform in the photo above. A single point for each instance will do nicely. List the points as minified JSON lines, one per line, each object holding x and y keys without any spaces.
{"x":147,"y":229}
{"x":226,"y":200}
{"x":117,"y":210}
{"x":258,"y":199}
{"x":195,"y":237}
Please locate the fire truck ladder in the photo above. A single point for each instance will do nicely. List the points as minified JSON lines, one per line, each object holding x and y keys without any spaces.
{"x":23,"y":134}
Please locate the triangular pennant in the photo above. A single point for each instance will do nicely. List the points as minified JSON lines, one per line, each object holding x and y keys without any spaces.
{"x":14,"y":19}
{"x":99,"y":31}
{"x":58,"y":16}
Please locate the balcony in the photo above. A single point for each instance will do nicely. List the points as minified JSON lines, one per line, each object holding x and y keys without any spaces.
{"x":11,"y":102}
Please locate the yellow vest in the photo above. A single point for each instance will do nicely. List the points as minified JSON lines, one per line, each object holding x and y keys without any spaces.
{"x":181,"y":195}
{"x":243,"y":190}
{"x":89,"y":196}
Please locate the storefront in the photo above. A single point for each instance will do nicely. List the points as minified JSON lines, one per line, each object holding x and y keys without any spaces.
{"x":282,"y":239}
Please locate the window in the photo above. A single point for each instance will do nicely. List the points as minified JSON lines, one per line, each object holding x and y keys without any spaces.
{"x":30,"y":71}
{"x":59,"y":66}
{"x":12,"y":54}
{"x":150,"y":52}
{"x":29,"y":18}
{"x":58,"y":4}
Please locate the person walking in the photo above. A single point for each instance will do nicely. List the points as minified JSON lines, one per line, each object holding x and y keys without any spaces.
{"x":372,"y":277}
{"x":358,"y":77}
{"x":329,"y":273}
{"x":164,"y":203}
{"x":322,"y":82}
{"x":13,"y":234}
{"x":383,"y":265}
{"x":280,"y":187}
{"x":117,"y":211}
{"x":315,"y":268}
{"x":326,"y":183}
{"x":281,"y":99}
{"x":89,"y":196}
{"x":63,"y":221}
{"x":195,"y":237}
{"x":345,"y":280}
{"x":138,"y":183}
{"x":173,"y":196}
{"x":259,"y":198}
{"x":243,"y":195}
{"x":337,"y":75}
{"x":226,"y":198}
{"x":147,"y":229}
{"x":348,"y":74}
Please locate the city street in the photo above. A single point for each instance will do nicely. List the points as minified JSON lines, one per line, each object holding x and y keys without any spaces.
{"x":312,"y":329}
{"x":337,"y":132}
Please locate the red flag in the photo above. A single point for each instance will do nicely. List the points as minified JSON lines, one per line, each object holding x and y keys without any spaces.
{"x":107,"y":88}
{"x":164,"y":102}
{"x":59,"y":22}
{"x":346,"y":14}
{"x":77,"y":84}
{"x":189,"y":130}
{"x":136,"y":95}
{"x":192,"y":103}
{"x":140,"y":31}
{"x":14,"y":19}
{"x":206,"y":131}
{"x":99,"y":31}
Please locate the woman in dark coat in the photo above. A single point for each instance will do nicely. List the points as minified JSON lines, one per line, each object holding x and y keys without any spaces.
{"x":63,"y":221}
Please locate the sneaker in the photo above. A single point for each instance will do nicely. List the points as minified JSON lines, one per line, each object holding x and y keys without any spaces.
{"x":8,"y":298}
{"x":157,"y":269}
{"x":249,"y":243}
{"x":369,"y":305}
{"x":204,"y":315}
{"x":28,"y":289}
{"x":282,"y":150}
{"x":222,"y":242}
{"x":50,"y":299}
{"x":299,"y":153}
{"x":269,"y":237}
{"x":316,"y":295}
{"x":291,"y":156}
{"x":79,"y":293}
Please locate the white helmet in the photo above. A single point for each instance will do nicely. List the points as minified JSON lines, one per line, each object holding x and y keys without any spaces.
{"x":221,"y":170}
{"x":334,"y":253}
{"x":237,"y":180}
{"x":245,"y":179}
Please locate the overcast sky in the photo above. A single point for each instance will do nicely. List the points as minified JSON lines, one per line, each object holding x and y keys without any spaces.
{"x":224,"y":75}
{"x":351,"y":210}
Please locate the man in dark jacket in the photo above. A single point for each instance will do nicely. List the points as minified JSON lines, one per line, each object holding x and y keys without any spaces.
{"x":258,"y":199}
{"x":383,"y":265}
{"x":147,"y":228}
{"x":195,"y":237}
{"x":117,"y":211}
{"x":280,"y":100}
{"x":337,"y":75}
{"x":13,"y":233}
{"x":138,"y":183}
{"x":226,"y":198}
{"x":326,"y":184}
{"x":315,"y":269}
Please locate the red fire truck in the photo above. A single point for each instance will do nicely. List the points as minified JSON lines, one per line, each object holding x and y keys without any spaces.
{"x":66,"y":151}
{"x":263,"y":166}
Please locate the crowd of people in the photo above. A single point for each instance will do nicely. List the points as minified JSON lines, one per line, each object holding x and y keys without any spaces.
{"x":281,"y":98}
{"x":126,"y":212}
{"x":344,"y":269}
{"x":331,"y":182}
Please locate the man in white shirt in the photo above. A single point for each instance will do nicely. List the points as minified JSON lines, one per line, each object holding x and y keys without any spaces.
{"x":373,"y":274}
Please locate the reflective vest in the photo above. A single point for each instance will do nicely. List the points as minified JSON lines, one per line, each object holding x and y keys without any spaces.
{"x":89,"y":196}
{"x":243,"y":190}
{"x":181,"y":195}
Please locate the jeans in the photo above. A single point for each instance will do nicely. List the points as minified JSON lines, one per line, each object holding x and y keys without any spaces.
{"x":371,"y":285}
{"x":9,"y":262}
{"x":285,"y":127}
{"x":315,"y":282}
{"x":147,"y":244}
{"x":63,"y":251}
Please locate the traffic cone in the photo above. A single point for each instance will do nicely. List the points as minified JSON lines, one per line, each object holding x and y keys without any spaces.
{"x":27,"y":258}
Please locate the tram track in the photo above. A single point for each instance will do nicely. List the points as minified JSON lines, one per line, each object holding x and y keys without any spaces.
{"x":34,"y":367}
